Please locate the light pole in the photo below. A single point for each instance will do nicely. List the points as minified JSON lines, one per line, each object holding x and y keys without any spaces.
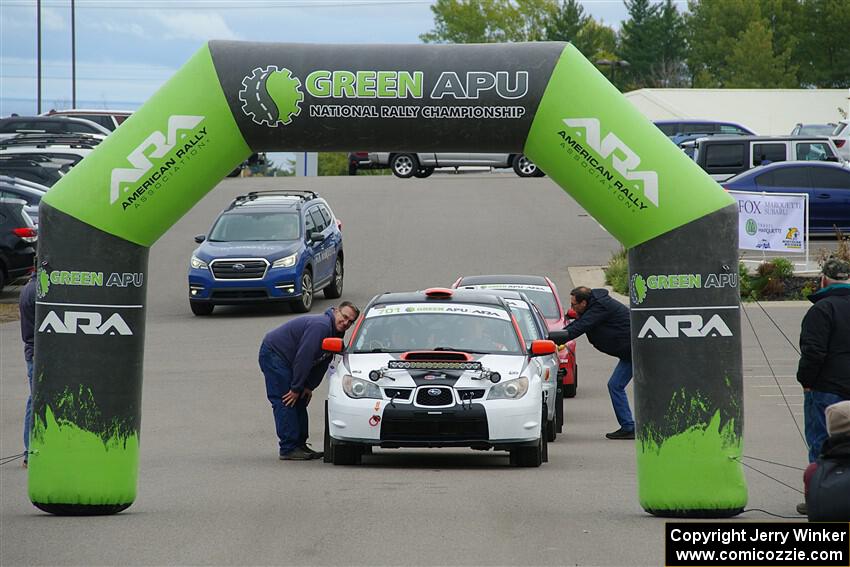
{"x":613,"y":64}
{"x":73,"y":59}
{"x":38,"y":49}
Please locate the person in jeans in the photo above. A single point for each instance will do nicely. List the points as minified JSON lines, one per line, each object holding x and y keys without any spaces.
{"x":26,"y":307}
{"x":294,"y":364}
{"x":605,"y":321}
{"x":824,"y":369}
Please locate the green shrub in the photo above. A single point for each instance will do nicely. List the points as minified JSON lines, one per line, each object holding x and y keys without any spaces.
{"x":783,"y":268}
{"x":617,"y":272}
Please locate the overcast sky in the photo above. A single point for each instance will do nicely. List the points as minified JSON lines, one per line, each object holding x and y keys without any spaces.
{"x":125,"y":49}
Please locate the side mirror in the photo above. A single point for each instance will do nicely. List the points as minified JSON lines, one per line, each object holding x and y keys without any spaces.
{"x":559,"y":337}
{"x":542,"y":347}
{"x":200,"y":238}
{"x":571,"y":313}
{"x":333,"y":344}
{"x":316,"y":237}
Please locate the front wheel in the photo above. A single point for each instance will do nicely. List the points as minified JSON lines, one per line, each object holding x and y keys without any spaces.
{"x":327,"y":445}
{"x":334,"y":289}
{"x":304,"y":303}
{"x":571,"y":389}
{"x":559,"y":410}
{"x":201,"y":309}
{"x":404,"y":165}
{"x":345,"y":453}
{"x":524,"y":167}
{"x":423,"y":172}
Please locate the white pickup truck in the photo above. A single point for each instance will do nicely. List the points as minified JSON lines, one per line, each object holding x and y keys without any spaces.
{"x":407,"y":165}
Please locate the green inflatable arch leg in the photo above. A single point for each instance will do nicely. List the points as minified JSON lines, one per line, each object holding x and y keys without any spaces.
{"x":233,"y":98}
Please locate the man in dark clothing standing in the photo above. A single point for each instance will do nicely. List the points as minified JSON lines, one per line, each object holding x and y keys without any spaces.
{"x":26,"y":307}
{"x":294,"y":364}
{"x":824,"y":370}
{"x":605,"y":321}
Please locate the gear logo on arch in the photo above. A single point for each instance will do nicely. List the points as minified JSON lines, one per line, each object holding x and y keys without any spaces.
{"x":271,"y":96}
{"x":638,"y":289}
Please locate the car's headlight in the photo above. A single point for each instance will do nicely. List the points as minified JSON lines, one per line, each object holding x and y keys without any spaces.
{"x":359,"y":389}
{"x":198,"y":264}
{"x":286,"y":262}
{"x":510,"y":390}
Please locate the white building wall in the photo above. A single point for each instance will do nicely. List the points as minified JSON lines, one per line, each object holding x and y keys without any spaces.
{"x":764,"y":111}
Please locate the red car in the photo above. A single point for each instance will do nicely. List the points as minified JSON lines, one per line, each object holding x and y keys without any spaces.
{"x":543,"y":292}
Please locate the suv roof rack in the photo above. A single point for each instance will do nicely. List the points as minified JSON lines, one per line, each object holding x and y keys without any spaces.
{"x":42,"y":140}
{"x":302,"y":195}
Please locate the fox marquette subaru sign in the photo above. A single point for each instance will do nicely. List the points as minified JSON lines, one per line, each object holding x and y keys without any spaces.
{"x":772,"y":221}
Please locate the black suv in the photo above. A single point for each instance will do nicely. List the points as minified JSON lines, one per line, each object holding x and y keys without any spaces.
{"x":17,"y":241}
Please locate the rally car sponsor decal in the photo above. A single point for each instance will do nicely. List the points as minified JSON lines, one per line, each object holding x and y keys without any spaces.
{"x":451,"y":309}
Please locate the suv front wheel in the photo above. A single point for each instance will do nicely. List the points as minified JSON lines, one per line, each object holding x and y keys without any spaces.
{"x":305,"y":302}
{"x":524,"y":167}
{"x":201,"y":309}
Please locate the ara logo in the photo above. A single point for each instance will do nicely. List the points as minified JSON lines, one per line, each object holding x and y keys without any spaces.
{"x":155,"y":146}
{"x":89,"y":323}
{"x":613,"y":147}
{"x":687,"y":325}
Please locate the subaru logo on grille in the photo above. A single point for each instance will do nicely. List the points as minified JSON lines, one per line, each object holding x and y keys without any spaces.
{"x":238,"y":267}
{"x":434,"y":391}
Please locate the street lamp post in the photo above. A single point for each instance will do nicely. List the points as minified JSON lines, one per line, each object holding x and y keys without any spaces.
{"x":613,"y":64}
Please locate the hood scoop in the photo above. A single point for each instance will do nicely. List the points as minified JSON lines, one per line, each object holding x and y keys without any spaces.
{"x":436,"y":355}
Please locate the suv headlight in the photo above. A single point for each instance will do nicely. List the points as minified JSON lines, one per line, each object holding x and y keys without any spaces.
{"x":198,"y":264}
{"x":286,"y":262}
{"x":359,"y":389}
{"x":510,"y":390}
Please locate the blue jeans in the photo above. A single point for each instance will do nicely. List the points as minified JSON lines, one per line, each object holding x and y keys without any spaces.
{"x":290,"y":422}
{"x":620,"y":378}
{"x":28,"y":413}
{"x":814,"y":415}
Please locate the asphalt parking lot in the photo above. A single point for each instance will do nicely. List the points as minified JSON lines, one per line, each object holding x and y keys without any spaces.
{"x":212,"y":491}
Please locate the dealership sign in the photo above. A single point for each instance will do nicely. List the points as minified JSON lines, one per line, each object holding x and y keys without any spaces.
{"x":772,"y":221}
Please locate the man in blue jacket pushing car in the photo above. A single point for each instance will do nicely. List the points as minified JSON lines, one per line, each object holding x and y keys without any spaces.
{"x":294,"y":364}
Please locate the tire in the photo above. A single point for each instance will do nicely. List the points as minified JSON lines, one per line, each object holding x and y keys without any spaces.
{"x":559,"y":410}
{"x":201,"y":309}
{"x":552,"y":429}
{"x":304,"y":303}
{"x":327,"y":445}
{"x":423,"y":172}
{"x":570,"y":389}
{"x":334,"y":289}
{"x":2,"y":278}
{"x":345,"y":454}
{"x":352,"y":169}
{"x":524,"y":167}
{"x":532,"y":456}
{"x":404,"y":165}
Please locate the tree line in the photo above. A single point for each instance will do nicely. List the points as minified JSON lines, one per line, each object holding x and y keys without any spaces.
{"x":758,"y":44}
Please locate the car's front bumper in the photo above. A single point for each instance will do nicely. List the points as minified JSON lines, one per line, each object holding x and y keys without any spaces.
{"x":277,"y":285}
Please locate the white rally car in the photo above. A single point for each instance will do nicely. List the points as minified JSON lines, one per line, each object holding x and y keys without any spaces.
{"x":439,"y":368}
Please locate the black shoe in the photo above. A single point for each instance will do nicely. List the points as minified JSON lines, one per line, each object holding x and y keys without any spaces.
{"x":621,"y":434}
{"x":314,"y":454}
{"x":803,"y":509}
{"x":297,"y":454}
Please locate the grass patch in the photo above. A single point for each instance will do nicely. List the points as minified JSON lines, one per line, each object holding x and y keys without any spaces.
{"x":617,"y":272}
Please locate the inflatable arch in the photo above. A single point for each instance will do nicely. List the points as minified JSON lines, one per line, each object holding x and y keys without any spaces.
{"x":235,"y":98}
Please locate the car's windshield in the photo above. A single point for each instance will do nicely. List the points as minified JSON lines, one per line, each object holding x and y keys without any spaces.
{"x":540,"y":294}
{"x":256,"y":226}
{"x":525,"y":319}
{"x":484,"y":329}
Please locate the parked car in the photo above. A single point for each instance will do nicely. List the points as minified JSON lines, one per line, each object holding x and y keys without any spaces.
{"x":436,"y":368}
{"x":48,"y":125}
{"x":827,"y":185}
{"x":813,"y":129}
{"x":30,"y":193}
{"x":725,"y":156}
{"x":18,"y":237}
{"x":268,"y":246}
{"x":678,"y":127}
{"x":841,"y":138}
{"x":422,"y":165}
{"x":359,"y":160}
{"x":542,"y":291}
{"x":44,"y":158}
{"x":109,"y":119}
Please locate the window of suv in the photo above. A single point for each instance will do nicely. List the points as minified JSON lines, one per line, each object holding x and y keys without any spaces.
{"x":724,"y":155}
{"x":256,"y":226}
{"x":812,"y":151}
{"x":318,"y":221}
{"x":769,"y":152}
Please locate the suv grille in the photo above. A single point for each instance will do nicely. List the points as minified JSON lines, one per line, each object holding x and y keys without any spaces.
{"x":434,"y":396}
{"x":253,"y":269}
